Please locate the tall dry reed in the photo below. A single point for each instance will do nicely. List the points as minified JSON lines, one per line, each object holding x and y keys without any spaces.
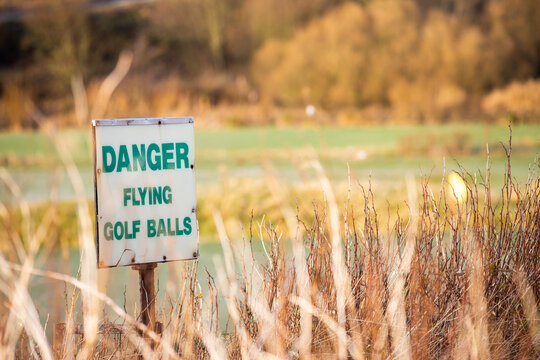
{"x":452,"y":277}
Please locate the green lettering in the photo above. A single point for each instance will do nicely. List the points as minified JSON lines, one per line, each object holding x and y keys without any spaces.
{"x":105,"y":151}
{"x":168,"y":154}
{"x":127,"y":195}
{"x":107,"y":229}
{"x":142,"y":193}
{"x":128,"y":235}
{"x":156,"y":195}
{"x":182,"y":155}
{"x":187,"y":225}
{"x":118,"y":231}
{"x":169,"y":230}
{"x":123,"y":159}
{"x":178,"y":231}
{"x":135,"y":201}
{"x":167,"y":194}
{"x":136,"y":228}
{"x":161,"y":228}
{"x":151,"y":226}
{"x":154,"y":161}
{"x":139,"y":157}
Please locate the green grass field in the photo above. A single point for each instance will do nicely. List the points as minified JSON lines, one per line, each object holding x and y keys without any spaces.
{"x":38,"y":146}
{"x":385,"y":153}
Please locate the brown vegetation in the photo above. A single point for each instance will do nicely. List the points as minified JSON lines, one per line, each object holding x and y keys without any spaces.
{"x":426,"y":64}
{"x":455,"y":276}
{"x":519,"y":99}
{"x":418,"y":61}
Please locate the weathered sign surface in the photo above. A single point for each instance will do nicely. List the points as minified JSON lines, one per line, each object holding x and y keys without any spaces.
{"x":145,"y":190}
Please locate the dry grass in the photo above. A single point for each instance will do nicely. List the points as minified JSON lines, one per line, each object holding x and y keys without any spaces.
{"x":449,"y":279}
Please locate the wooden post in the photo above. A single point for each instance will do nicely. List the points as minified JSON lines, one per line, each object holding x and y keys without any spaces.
{"x":148,"y":294}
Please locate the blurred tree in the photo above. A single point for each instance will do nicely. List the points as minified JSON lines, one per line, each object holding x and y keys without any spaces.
{"x":121,"y":29}
{"x":60,"y":38}
{"x":516,"y":26}
{"x":349,"y":57}
{"x":322,"y":64}
{"x":13,"y":105}
{"x":467,"y":11}
{"x":424,"y":59}
{"x":214,"y":15}
{"x":279,"y":19}
{"x":11,"y":35}
{"x":427,"y":61}
{"x":177,"y":35}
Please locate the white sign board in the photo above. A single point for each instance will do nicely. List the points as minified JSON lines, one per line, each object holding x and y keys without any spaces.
{"x":145,"y":190}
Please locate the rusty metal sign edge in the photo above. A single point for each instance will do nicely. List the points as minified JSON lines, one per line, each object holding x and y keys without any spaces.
{"x":143,"y":121}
